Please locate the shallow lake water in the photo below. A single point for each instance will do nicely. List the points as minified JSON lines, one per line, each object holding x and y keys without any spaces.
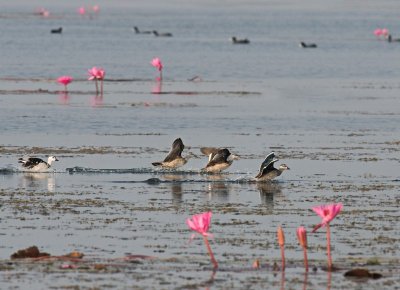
{"x":331,"y":114}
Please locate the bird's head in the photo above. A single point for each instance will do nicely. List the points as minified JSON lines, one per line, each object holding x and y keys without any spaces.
{"x":283,"y":167}
{"x":232,"y":157}
{"x":51,"y":159}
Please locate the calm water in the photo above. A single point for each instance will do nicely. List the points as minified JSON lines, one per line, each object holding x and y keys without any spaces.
{"x":331,"y":114}
{"x":201,"y":43}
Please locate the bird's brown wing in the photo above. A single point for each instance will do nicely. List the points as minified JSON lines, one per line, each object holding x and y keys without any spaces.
{"x":176,"y":150}
{"x":267,"y":165}
{"x":220,"y":157}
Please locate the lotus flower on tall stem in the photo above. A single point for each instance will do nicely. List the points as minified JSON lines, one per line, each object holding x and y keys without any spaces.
{"x":65,"y":80}
{"x":327,"y":213}
{"x":302,"y":237}
{"x":156,"y":62}
{"x":200,"y":223}
{"x":96,"y":73}
{"x":281,"y":241}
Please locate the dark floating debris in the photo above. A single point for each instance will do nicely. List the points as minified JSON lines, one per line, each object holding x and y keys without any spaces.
{"x":362,"y":273}
{"x":31,"y":252}
{"x":153,"y":181}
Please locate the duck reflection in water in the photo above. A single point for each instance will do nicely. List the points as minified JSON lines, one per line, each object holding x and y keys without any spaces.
{"x":39,"y":180}
{"x":218,"y":189}
{"x":267,"y":191}
{"x":175,"y":181}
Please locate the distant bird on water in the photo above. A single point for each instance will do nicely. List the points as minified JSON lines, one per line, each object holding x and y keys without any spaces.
{"x":174,"y":158}
{"x":240,"y":41}
{"x":219,"y":159}
{"x":137,"y":31}
{"x":391,"y":39}
{"x":307,"y":45}
{"x":57,"y":30}
{"x":162,"y":34}
{"x":267,"y":169}
{"x":36,"y":164}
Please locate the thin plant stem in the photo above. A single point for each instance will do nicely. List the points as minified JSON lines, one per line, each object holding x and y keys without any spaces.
{"x":305,"y":259}
{"x":283,"y":280}
{"x":305,"y":280}
{"x":97,"y":88}
{"x":65,"y":89}
{"x":283,"y":257}
{"x":101,"y":87}
{"x":329,"y":282}
{"x":210,"y":252}
{"x":328,"y":246}
{"x":160,"y":75}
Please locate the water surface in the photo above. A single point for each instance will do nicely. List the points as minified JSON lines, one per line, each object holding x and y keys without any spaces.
{"x":331,"y":114}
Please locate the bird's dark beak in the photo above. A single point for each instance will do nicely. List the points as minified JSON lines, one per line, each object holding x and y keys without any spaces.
{"x":56,"y":159}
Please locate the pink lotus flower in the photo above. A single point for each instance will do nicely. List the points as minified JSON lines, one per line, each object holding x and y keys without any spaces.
{"x":97,"y":73}
{"x":378,"y":32}
{"x":327,"y":213}
{"x":96,"y":8}
{"x":82,"y":11}
{"x":42,"y":12}
{"x":200,"y":223}
{"x":156,"y":62}
{"x":65,"y":80}
{"x":302,"y":237}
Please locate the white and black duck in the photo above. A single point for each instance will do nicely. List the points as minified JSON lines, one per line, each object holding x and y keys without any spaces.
{"x":219,"y":159}
{"x":174,"y":158}
{"x":36,"y":164}
{"x":267,"y":169}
